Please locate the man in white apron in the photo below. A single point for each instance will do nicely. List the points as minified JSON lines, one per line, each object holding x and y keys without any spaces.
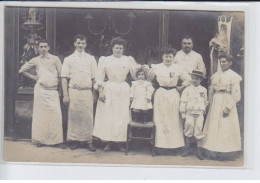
{"x":47,"y":118}
{"x":80,"y":69}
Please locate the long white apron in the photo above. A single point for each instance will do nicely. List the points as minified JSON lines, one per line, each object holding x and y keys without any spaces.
{"x":222,"y":134}
{"x":113,"y":116}
{"x":169,"y":128}
{"x":80,"y":116}
{"x":47,"y":119}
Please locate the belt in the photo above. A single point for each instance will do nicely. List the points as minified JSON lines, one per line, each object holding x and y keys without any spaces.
{"x":78,"y":88}
{"x":224,"y":91}
{"x":168,"y":87}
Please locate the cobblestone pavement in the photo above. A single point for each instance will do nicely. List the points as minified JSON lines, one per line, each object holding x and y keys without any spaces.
{"x":140,"y":154}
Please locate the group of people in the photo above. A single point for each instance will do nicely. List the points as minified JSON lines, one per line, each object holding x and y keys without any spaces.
{"x":171,"y":89}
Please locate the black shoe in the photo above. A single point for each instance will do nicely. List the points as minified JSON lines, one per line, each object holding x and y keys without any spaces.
{"x":186,"y":152}
{"x":74,"y":146}
{"x":39,"y":145}
{"x":107,"y":147}
{"x":200,"y":155}
{"x":121,"y":147}
{"x":91,"y":147}
{"x":62,"y":146}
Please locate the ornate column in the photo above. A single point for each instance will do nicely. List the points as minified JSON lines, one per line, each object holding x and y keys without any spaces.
{"x":220,"y":43}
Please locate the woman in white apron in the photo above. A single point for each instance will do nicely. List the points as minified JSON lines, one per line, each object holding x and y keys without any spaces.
{"x":47,"y":118}
{"x":169,"y":128}
{"x":222,"y":131}
{"x":112,"y":113}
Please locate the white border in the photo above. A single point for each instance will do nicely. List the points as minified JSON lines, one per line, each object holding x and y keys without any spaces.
{"x":42,"y":171}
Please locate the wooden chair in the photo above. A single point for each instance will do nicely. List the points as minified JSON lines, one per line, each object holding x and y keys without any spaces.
{"x":130,"y":135}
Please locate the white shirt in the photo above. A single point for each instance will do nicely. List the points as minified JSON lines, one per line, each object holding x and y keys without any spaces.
{"x":193,"y":100}
{"x":189,"y":62}
{"x":81,"y":68}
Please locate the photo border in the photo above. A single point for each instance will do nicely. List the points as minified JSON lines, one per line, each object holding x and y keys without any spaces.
{"x":250,"y":9}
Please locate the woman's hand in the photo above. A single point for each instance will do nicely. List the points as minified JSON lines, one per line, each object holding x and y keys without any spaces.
{"x":145,"y":67}
{"x":226,"y":112}
{"x":66,"y":100}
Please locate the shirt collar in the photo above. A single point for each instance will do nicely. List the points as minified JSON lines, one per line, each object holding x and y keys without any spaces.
{"x":79,"y":54}
{"x":45,"y":56}
{"x":185,"y":54}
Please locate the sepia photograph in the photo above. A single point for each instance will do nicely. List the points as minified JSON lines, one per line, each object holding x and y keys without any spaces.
{"x":124,"y":86}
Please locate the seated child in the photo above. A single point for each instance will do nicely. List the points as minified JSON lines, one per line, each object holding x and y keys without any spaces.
{"x":192,"y":107}
{"x":141,"y":94}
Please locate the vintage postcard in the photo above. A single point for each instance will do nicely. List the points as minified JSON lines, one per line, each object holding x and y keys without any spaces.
{"x":124,"y":85}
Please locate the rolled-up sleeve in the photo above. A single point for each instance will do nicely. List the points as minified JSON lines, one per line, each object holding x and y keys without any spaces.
{"x":65,"y":70}
{"x":93,"y":68}
{"x":58,"y":65}
{"x":28,"y":65}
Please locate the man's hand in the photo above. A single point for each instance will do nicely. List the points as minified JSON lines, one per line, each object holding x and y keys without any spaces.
{"x":102,"y":97}
{"x":186,"y":84}
{"x":131,"y":99}
{"x":148,"y":100}
{"x":66,"y":100}
{"x":183,"y":119}
{"x":226,"y":112}
{"x":35,"y":77}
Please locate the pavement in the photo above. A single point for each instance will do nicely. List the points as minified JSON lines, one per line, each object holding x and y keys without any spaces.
{"x":139,"y":154}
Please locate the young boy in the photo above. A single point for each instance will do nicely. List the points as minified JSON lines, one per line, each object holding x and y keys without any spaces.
{"x":192,"y":107}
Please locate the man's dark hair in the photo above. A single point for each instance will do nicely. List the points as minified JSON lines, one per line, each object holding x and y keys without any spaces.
{"x":187,"y":37}
{"x":79,"y":36}
{"x":43,"y":41}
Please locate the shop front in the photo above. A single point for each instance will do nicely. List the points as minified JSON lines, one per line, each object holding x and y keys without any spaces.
{"x":146,"y":31}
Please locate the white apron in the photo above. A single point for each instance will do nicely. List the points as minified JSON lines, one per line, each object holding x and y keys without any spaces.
{"x":113,"y":116}
{"x":169,"y":128}
{"x":80,"y":115}
{"x":47,"y":118}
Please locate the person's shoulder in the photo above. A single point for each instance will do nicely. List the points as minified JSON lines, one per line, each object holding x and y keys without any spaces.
{"x":54,"y":57}
{"x":179,"y":52}
{"x":69,"y":56}
{"x":203,"y":89}
{"x":234,"y":75}
{"x":188,"y":88}
{"x":36,"y":58}
{"x":134,"y":83}
{"x":147,"y":83}
{"x":215,"y":75}
{"x":195,"y":53}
